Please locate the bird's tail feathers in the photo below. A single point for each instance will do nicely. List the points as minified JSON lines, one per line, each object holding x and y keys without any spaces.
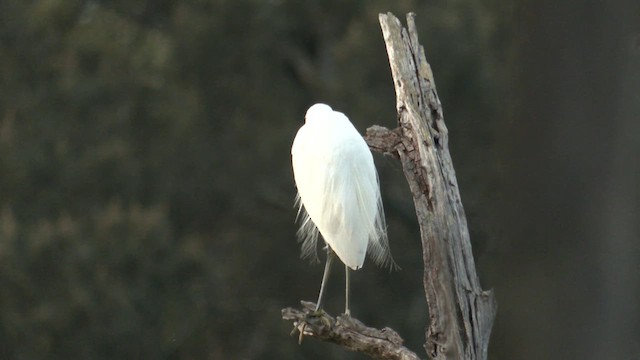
{"x":378,"y":248}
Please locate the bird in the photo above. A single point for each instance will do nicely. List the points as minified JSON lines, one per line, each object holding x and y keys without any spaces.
{"x":338,"y":195}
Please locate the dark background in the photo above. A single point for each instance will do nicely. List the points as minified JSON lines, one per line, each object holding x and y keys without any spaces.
{"x":146,"y":193}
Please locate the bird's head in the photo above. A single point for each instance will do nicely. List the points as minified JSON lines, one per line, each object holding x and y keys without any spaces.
{"x":317,"y":111}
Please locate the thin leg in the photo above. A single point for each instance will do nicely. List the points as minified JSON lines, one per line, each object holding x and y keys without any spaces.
{"x":325,"y":277}
{"x":347,"y":311}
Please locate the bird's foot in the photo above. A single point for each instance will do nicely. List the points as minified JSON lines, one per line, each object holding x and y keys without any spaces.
{"x":314,"y":318}
{"x":347,"y":321}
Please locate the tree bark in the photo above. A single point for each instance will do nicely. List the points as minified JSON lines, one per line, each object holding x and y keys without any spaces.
{"x":461,"y":314}
{"x":348,"y":332}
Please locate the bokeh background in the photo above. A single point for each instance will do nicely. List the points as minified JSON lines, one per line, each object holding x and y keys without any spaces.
{"x":146,"y":194}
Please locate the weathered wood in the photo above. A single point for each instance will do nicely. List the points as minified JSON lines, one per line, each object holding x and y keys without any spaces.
{"x":461,"y":313}
{"x":347,"y":332}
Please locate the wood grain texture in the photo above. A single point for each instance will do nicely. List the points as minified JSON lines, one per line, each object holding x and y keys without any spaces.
{"x":461,"y":313}
{"x":347,"y":332}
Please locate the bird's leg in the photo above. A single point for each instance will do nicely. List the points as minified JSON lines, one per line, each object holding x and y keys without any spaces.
{"x":325,"y":277}
{"x":347,"y":311}
{"x":346,"y":319}
{"x":312,"y":317}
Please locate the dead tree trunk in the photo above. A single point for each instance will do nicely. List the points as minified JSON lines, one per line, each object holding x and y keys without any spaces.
{"x":461,"y":313}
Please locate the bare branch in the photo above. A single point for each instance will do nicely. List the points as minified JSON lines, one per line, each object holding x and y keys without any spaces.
{"x":383,"y":140}
{"x":347,"y":332}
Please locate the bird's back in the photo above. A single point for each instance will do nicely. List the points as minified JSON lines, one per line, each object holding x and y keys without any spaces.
{"x":338,"y":186}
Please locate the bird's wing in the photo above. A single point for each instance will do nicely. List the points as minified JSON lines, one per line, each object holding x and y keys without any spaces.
{"x":304,"y":173}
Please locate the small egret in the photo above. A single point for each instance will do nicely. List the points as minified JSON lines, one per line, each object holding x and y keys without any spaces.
{"x":338,"y":194}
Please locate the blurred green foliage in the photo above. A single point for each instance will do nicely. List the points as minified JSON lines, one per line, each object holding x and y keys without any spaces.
{"x":146,"y":193}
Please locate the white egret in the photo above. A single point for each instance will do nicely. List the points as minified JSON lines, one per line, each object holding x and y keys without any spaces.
{"x":338,"y":194}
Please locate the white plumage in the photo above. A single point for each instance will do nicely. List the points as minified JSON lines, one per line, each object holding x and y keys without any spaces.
{"x":338,"y":187}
